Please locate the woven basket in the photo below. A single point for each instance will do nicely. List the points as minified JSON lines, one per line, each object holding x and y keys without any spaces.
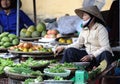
{"x":3,"y":75}
{"x":16,"y":76}
{"x":39,"y":66}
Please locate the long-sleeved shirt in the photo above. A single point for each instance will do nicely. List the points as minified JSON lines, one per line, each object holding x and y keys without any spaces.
{"x":95,"y":40}
{"x":8,"y":22}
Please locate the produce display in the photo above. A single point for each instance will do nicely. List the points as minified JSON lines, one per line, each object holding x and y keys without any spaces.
{"x":65,"y":40}
{"x":58,"y":78}
{"x":32,"y":31}
{"x":7,"y":40}
{"x":64,"y":65}
{"x":52,"y":34}
{"x":4,"y":63}
{"x":35,"y":63}
{"x":29,"y":47}
{"x":57,"y":71}
{"x":23,"y":70}
{"x":30,"y":80}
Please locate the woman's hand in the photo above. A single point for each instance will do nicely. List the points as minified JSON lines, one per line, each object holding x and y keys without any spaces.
{"x":58,"y":50}
{"x":86,"y":58}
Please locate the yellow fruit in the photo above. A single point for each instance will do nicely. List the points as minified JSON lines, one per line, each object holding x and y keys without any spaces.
{"x":49,"y":50}
{"x":30,"y":50}
{"x":25,"y":50}
{"x":61,"y":40}
{"x":69,"y":41}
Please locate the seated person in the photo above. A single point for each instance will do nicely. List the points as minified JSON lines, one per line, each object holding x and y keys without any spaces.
{"x":8,"y":16}
{"x":69,"y":24}
{"x":93,"y":36}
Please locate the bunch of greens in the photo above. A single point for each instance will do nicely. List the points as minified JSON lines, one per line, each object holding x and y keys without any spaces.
{"x":53,"y":61}
{"x":68,"y":65}
{"x":58,"y":78}
{"x":94,"y":73}
{"x":24,"y":70}
{"x":56,"y":69}
{"x":27,"y":81}
{"x":21,"y":70}
{"x":32,"y":62}
{"x":4,"y":63}
{"x":38,"y":79}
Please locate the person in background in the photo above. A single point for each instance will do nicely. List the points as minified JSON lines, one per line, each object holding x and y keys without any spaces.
{"x":93,"y":36}
{"x":98,"y":3}
{"x":8,"y":16}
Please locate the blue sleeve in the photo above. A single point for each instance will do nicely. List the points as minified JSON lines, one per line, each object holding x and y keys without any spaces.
{"x":25,"y":19}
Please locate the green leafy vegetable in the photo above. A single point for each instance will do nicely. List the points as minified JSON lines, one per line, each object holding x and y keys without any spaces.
{"x":58,"y":78}
{"x":38,"y":79}
{"x":4,"y":63}
{"x":56,"y":69}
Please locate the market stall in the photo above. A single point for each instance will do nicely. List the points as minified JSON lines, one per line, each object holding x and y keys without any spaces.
{"x":36,"y":62}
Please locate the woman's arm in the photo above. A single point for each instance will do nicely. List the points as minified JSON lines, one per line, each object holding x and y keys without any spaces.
{"x":25,"y":19}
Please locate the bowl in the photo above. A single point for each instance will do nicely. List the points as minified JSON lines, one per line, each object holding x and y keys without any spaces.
{"x":50,"y":74}
{"x":82,"y":64}
{"x":58,"y":82}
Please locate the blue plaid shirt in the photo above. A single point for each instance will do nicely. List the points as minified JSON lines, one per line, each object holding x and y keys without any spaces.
{"x":8,"y":22}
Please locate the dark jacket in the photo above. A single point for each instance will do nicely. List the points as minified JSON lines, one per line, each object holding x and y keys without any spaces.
{"x":8,"y":22}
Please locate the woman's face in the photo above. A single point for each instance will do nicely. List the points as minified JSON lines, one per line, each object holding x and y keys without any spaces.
{"x":85,"y":16}
{"x":5,"y":4}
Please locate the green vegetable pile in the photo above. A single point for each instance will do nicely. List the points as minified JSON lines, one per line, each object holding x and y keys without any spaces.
{"x":38,"y":79}
{"x":53,"y":61}
{"x":66,"y":65}
{"x":24,"y":70}
{"x":32,"y":62}
{"x":4,"y":63}
{"x":56,"y":69}
{"x":94,"y":73}
{"x":58,"y":78}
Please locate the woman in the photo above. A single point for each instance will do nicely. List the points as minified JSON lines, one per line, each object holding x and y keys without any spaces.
{"x":93,"y":36}
{"x":8,"y":16}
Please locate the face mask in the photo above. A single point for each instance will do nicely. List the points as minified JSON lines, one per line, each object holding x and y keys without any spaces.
{"x":85,"y":22}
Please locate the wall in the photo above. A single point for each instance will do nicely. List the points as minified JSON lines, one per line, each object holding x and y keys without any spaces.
{"x":55,"y":8}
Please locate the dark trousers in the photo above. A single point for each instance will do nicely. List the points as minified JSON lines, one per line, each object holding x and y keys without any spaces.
{"x":74,"y":55}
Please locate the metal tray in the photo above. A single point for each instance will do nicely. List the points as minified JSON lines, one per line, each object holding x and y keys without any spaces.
{"x":81,"y":63}
{"x":31,"y":53}
{"x":30,"y":39}
{"x":58,"y":82}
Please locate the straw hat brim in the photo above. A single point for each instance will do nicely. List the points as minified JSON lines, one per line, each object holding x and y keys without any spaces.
{"x":93,"y":10}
